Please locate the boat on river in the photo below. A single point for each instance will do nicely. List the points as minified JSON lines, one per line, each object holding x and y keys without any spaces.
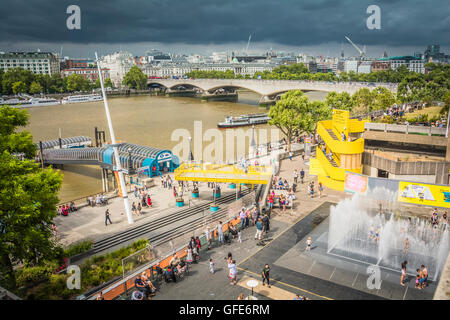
{"x":245,"y":120}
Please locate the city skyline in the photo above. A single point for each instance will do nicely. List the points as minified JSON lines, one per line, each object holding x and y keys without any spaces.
{"x":310,"y":27}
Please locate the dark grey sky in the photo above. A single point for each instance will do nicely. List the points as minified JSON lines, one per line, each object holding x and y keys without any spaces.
{"x":206,"y":25}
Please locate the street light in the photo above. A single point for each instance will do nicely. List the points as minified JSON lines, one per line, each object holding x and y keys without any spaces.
{"x":123,"y":186}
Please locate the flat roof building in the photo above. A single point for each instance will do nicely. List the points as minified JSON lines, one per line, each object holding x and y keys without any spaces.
{"x":36,"y":62}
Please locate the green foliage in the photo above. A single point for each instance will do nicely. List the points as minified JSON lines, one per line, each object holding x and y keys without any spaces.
{"x":77,"y":248}
{"x":383,"y":98}
{"x":32,"y":275}
{"x":213,"y":74}
{"x":12,"y":76}
{"x":28,"y":197}
{"x":294,"y":112}
{"x":135,"y":79}
{"x":35,"y":87}
{"x":363,"y":98}
{"x":76,"y":82}
{"x":19,"y":87}
{"x":18,"y":80}
{"x":342,"y":101}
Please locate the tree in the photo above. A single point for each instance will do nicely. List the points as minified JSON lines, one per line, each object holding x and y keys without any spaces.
{"x":19,"y":87}
{"x":35,"y":87}
{"x":12,"y":76}
{"x":342,"y":101}
{"x":363,"y":98}
{"x":135,"y":78}
{"x":294,"y":112}
{"x":108,"y":83}
{"x":383,"y":98}
{"x":28,"y":198}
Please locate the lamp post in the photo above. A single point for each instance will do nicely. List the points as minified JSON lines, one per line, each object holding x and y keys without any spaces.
{"x":123,"y":186}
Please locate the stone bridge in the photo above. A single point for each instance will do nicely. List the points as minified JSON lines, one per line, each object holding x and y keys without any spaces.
{"x":268,"y":89}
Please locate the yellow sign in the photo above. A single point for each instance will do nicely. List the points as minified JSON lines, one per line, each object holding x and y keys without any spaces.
{"x":425,"y":194}
{"x":340,"y":120}
{"x":315,"y":167}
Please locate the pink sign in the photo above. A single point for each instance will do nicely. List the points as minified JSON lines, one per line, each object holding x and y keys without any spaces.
{"x":355,"y":183}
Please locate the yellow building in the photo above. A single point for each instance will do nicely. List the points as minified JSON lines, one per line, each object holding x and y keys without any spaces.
{"x":338,"y":155}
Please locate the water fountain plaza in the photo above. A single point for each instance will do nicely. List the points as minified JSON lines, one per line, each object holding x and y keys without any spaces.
{"x":344,"y":251}
{"x":373,"y":230}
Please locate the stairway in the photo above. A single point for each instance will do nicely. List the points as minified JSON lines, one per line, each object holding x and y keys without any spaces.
{"x":331,"y":133}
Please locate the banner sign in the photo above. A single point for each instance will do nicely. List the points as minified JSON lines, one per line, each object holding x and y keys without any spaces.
{"x":340,"y":120}
{"x":355,"y":183}
{"x":425,"y":194}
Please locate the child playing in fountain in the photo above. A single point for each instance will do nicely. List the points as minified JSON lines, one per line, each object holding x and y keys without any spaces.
{"x":377,"y":235}
{"x":371,"y":232}
{"x":308,"y":244}
{"x":405,"y":250}
{"x":417,"y":286}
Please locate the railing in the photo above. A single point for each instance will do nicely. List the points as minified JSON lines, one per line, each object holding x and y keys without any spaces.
{"x":407,"y":129}
{"x":126,"y":283}
{"x":222,"y":173}
{"x":336,"y":146}
{"x":334,"y":172}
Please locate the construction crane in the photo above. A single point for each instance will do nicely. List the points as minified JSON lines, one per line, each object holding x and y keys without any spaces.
{"x":362,"y":53}
{"x":248,"y":43}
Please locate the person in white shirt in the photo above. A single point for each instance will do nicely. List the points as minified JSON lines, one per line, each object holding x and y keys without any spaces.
{"x":232,"y":272}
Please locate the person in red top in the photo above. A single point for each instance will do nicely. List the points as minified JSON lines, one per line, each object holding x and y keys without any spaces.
{"x":65,"y":211}
{"x":270,"y":201}
{"x":149,"y":201}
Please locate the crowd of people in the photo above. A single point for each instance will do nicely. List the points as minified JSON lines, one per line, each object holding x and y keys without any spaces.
{"x":143,"y":200}
{"x":99,"y":200}
{"x":65,"y":209}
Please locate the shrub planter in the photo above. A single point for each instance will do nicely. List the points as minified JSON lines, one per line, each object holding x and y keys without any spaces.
{"x":216,"y":194}
{"x":179,"y":202}
{"x":195,"y":194}
{"x":232,"y":186}
{"x":213,"y":208}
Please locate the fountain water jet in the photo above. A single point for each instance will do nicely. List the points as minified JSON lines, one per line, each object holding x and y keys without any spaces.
{"x":355,"y":223}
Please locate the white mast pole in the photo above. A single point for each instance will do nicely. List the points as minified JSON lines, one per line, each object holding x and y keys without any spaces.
{"x":126,"y":202}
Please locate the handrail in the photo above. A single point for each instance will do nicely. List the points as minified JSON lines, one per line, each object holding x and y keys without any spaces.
{"x":335,"y":173}
{"x":402,"y":128}
{"x":345,"y":147}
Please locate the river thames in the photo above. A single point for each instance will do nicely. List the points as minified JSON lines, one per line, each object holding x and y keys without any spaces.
{"x":144,"y":120}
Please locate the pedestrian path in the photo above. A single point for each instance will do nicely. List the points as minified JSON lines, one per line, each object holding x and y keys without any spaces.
{"x":274,"y":292}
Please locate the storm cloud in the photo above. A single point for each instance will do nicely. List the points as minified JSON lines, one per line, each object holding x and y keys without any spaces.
{"x":204,"y":22}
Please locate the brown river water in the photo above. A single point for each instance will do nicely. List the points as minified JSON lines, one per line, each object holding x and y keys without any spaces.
{"x":143,"y":120}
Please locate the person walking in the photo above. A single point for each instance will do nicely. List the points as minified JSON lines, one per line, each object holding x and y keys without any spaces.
{"x":107,"y":217}
{"x":295,"y":176}
{"x":232,"y":272}
{"x":308,"y":244}
{"x":320,"y":189}
{"x":243,"y":216}
{"x":220,"y":232}
{"x":302,"y":175}
{"x":259,"y":230}
{"x":211,"y":266}
{"x":265,"y":275}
